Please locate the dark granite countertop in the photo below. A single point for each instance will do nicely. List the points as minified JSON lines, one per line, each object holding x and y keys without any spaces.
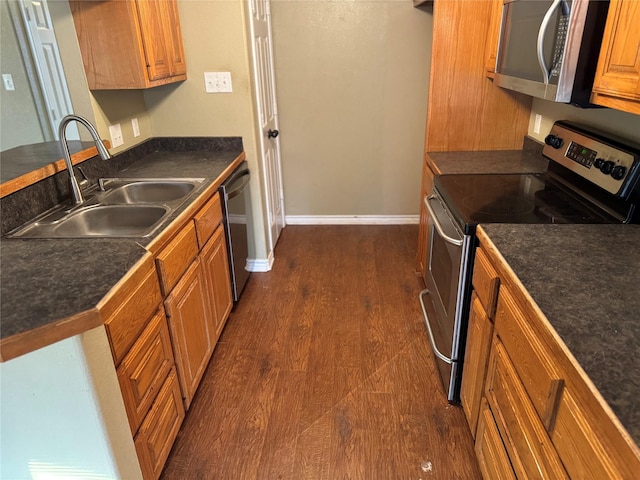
{"x":44,"y":281}
{"x":586,"y":281}
{"x":527,"y":160}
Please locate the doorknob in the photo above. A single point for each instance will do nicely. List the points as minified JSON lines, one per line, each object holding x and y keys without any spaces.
{"x":272,"y":133}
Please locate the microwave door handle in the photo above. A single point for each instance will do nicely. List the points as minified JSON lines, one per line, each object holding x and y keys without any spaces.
{"x":543,"y":28}
{"x":438,"y":225}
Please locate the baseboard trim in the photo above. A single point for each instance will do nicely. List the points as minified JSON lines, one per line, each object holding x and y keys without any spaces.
{"x":260,"y":264}
{"x":351,"y":219}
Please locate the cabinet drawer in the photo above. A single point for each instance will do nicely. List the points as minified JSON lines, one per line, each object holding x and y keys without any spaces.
{"x":137,"y":299}
{"x":176,"y":257}
{"x":207,"y":219}
{"x":492,"y":457}
{"x":530,"y":450}
{"x":532,"y":360}
{"x":485,"y":282}
{"x":144,"y":369}
{"x":160,"y":428}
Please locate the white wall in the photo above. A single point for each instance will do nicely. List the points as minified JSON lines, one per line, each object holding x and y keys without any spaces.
{"x":56,"y":423}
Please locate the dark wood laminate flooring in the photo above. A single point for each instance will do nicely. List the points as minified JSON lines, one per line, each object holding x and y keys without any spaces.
{"x":324,"y":371}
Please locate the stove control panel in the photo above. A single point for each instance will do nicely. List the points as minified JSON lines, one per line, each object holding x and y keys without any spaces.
{"x":605,"y":163}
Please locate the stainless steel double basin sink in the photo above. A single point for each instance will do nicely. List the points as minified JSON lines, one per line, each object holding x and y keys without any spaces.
{"x":117,"y":208}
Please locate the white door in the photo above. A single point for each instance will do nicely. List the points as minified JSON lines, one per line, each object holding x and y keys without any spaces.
{"x":44,"y":47}
{"x":262,"y":52}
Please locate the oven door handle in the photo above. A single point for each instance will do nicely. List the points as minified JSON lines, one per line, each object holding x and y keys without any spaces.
{"x":436,"y":222}
{"x":432,"y":340}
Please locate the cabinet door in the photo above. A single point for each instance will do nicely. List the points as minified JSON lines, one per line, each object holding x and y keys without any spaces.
{"x":153,"y":38}
{"x":475,"y":361}
{"x":190,"y":326}
{"x":159,"y":429}
{"x":617,"y":80}
{"x":216,"y":265}
{"x":173,"y":38}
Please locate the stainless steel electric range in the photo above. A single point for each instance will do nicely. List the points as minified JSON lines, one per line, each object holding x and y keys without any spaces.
{"x":591,"y":178}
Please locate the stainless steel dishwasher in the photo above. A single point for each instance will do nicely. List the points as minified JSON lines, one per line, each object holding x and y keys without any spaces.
{"x":236,"y":201}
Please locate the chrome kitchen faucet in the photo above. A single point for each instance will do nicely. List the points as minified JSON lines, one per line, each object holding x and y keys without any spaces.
{"x":102,"y":151}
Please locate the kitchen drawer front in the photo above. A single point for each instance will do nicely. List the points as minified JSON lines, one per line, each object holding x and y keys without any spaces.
{"x":144,"y":369}
{"x":533,"y":361}
{"x":160,"y":428}
{"x":125,"y":324}
{"x":492,"y":457}
{"x":587,"y":443}
{"x":176,"y":257}
{"x":485,"y":282}
{"x":207,"y":219}
{"x":529,"y":447}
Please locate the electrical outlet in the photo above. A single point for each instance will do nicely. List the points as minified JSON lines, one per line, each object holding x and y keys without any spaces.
{"x":115,"y":131}
{"x":217,"y":82}
{"x":536,"y":123}
{"x":8,"y":82}
{"x":135,"y":126}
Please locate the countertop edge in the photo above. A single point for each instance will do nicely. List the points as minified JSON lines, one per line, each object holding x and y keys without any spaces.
{"x":488,"y":244}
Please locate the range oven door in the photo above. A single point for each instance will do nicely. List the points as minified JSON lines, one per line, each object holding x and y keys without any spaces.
{"x":443,"y":300}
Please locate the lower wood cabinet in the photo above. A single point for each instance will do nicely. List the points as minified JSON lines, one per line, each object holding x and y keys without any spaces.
{"x":160,"y":428}
{"x":192,"y":330}
{"x":215,"y":263}
{"x":423,"y":228}
{"x":539,"y":416}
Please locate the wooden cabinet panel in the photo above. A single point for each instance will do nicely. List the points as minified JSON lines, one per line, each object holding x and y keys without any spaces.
{"x":534,"y":363}
{"x":587,"y":452}
{"x":423,"y":229}
{"x":159,"y":430}
{"x":144,"y":369}
{"x":176,"y":257}
{"x":617,"y":80}
{"x":492,"y":457}
{"x":216,"y":267}
{"x":530,"y":450}
{"x":132,"y":314}
{"x":190,"y":326}
{"x":207,"y":219}
{"x":485,"y":282}
{"x":129,"y":44}
{"x":476,"y":357}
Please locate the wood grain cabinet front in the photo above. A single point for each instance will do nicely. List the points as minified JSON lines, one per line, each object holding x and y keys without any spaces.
{"x":617,"y":80}
{"x":492,"y":457}
{"x":160,"y":429}
{"x":423,"y":228}
{"x":129,"y":44}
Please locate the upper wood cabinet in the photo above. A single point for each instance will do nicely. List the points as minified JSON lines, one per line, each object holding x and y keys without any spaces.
{"x":129,"y":44}
{"x":493,"y":37}
{"x":617,"y":80}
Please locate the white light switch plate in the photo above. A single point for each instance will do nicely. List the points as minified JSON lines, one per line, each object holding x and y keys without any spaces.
{"x":8,"y":82}
{"x":115,"y":132}
{"x":217,"y":82}
{"x":536,"y":123}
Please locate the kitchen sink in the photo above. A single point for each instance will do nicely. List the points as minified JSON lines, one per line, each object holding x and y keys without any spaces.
{"x":119,"y":207}
{"x":120,"y":191}
{"x":98,"y":221}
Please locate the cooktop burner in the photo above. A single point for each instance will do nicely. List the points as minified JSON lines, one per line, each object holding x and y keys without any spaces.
{"x":513,"y":198}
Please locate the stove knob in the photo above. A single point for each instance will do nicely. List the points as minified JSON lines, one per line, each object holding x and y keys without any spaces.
{"x":607,"y":167}
{"x":618,"y":172}
{"x":553,"y":141}
{"x":598,"y":163}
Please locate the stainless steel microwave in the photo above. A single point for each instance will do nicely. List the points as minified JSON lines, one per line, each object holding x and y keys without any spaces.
{"x":549,"y":49}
